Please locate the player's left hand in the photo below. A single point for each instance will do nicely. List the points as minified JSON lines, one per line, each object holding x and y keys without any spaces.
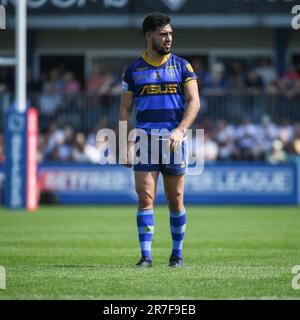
{"x":175,"y":140}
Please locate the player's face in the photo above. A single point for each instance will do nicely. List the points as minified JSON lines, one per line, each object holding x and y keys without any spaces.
{"x":162,"y":40}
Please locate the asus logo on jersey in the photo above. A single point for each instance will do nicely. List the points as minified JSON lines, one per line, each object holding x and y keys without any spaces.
{"x":159,"y":89}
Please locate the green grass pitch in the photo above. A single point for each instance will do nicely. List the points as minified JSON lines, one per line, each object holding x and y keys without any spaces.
{"x":89,"y":252}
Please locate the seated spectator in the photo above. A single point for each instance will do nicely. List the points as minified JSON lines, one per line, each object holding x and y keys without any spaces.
{"x":254,"y":83}
{"x":296,"y":130}
{"x":64,"y":145}
{"x":215,"y":82}
{"x":277,"y":155}
{"x":211,"y":149}
{"x":236,"y":79}
{"x":289,"y":83}
{"x":55,"y":79}
{"x":99,"y":81}
{"x":71,"y":85}
{"x":83,"y":152}
{"x":268,"y":132}
{"x":116,"y":86}
{"x":50,"y":100}
{"x":247,"y":140}
{"x":286,"y":132}
{"x":266,"y":72}
{"x":225,"y":139}
{"x":53,"y":136}
{"x":295,"y":154}
{"x":200,"y":72}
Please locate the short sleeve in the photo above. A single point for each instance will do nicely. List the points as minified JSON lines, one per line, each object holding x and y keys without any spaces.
{"x":188,"y":73}
{"x":127,"y":81}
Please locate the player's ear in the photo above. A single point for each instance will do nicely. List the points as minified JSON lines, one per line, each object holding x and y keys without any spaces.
{"x":148,"y":35}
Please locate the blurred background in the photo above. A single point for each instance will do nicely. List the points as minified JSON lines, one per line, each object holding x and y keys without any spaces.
{"x":245,"y":53}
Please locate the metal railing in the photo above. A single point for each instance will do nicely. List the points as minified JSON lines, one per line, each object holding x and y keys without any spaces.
{"x":235,"y":108}
{"x":85,"y":112}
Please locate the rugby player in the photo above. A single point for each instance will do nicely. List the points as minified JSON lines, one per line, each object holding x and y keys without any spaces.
{"x":163,"y":89}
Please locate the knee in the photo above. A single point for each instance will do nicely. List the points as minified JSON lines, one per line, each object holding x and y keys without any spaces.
{"x":176,"y":202}
{"x":145,"y":200}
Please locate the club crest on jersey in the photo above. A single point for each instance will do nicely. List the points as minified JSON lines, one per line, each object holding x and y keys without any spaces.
{"x":169,"y":88}
{"x":156,"y":75}
{"x":171,"y":74}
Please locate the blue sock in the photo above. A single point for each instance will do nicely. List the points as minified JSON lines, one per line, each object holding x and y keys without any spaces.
{"x":177,"y":225}
{"x":145,"y":224}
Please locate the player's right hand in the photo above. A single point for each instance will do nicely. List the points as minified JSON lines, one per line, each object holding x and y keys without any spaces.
{"x":126,"y":164}
{"x":125,"y":161}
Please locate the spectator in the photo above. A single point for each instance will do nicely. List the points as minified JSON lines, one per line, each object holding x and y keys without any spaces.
{"x":215,"y":82}
{"x":83,"y":152}
{"x":247,"y":136}
{"x":210,"y":149}
{"x":295,"y":154}
{"x":268,"y":132}
{"x":236,"y":80}
{"x":200,"y":73}
{"x":289,"y":83}
{"x":99,"y":81}
{"x":53,"y":137}
{"x":55,"y":80}
{"x":225,"y":139}
{"x":254,"y":83}
{"x":277,"y":155}
{"x":71,"y":85}
{"x":286,"y":132}
{"x":65,"y":145}
{"x":50,"y":100}
{"x":266,"y":72}
{"x":297,"y":130}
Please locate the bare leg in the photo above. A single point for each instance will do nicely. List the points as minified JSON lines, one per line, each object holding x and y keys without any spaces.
{"x":174,"y":189}
{"x":145,"y":183}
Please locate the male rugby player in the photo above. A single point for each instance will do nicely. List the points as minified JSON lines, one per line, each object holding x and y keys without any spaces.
{"x":163,"y":88}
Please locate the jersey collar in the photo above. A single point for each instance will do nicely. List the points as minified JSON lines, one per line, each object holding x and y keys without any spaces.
{"x":155,"y":63}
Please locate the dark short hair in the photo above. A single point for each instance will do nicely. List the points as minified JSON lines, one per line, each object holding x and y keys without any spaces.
{"x":154,"y":21}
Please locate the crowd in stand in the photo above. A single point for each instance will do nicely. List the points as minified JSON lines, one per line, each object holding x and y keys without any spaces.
{"x":247,"y":141}
{"x":261,"y":140}
{"x":234,"y":76}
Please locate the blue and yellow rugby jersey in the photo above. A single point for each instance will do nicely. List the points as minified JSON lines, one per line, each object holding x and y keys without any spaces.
{"x":158,"y":90}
